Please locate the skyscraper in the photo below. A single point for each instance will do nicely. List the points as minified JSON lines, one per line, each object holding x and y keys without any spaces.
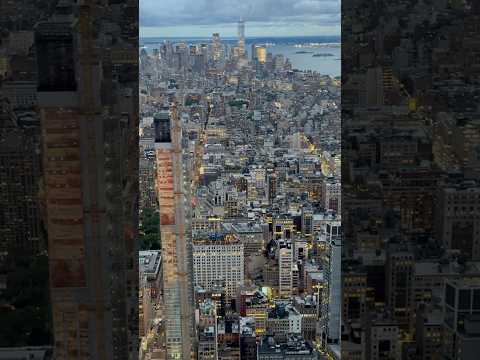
{"x":332,"y":236}
{"x":241,"y":37}
{"x":217,"y":47}
{"x":176,"y":244}
{"x":89,"y":189}
{"x":261,"y":53}
{"x":285,"y":262}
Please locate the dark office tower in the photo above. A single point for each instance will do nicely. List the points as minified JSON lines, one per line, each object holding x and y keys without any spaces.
{"x":307,"y":222}
{"x":272,"y":186}
{"x":457,"y":218}
{"x":173,"y":197}
{"x":254,"y":52}
{"x":399,"y":277}
{"x":248,"y":346}
{"x":90,"y":186}
{"x":461,"y":319}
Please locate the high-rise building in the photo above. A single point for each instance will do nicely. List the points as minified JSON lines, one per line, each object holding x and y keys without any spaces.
{"x":261,"y":54}
{"x":457,"y":218}
{"x":331,"y":195}
{"x":253,"y":53}
{"x":272,"y":186}
{"x":176,"y":243}
{"x":279,"y":62}
{"x":285,"y":264}
{"x":332,"y":235}
{"x":90,"y":162}
{"x":461,"y":319}
{"x":215,"y":261}
{"x":241,"y":38}
{"x":307,"y":222}
{"x":217,"y":48}
{"x":399,"y":269}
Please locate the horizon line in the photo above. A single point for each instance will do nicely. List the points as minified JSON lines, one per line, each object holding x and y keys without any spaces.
{"x":234,"y":37}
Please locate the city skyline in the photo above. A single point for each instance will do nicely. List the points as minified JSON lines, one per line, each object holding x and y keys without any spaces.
{"x":264,"y":18}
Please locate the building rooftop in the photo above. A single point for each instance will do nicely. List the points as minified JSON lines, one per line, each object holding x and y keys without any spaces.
{"x":149,"y":262}
{"x":249,"y":227}
{"x":295,"y":345}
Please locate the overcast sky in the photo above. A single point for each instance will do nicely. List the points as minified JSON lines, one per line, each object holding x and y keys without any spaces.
{"x":263,"y":17}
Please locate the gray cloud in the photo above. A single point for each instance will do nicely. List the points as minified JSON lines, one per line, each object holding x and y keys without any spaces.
{"x":158,"y":13}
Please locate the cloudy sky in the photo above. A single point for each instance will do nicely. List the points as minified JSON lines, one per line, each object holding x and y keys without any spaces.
{"x":263,"y":17}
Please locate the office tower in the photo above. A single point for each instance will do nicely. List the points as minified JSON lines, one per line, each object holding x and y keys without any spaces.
{"x":399,"y":269}
{"x":279,"y":62}
{"x":331,"y":195}
{"x":199,"y":63}
{"x":258,"y":175}
{"x":176,"y":243}
{"x":269,"y":62}
{"x":457,"y":218}
{"x":253,"y":53}
{"x":307,"y":222}
{"x":300,"y":249}
{"x":356,"y":296}
{"x":461,"y":319}
{"x":283,"y":227}
{"x":429,"y":332}
{"x":219,"y":260}
{"x":90,"y":161}
{"x":374,"y":87}
{"x":232,"y":203}
{"x":241,"y":38}
{"x":272,"y":186}
{"x":332,"y":235}
{"x":455,"y":142}
{"x":217,"y":48}
{"x":261,"y":54}
{"x":285,"y":264}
